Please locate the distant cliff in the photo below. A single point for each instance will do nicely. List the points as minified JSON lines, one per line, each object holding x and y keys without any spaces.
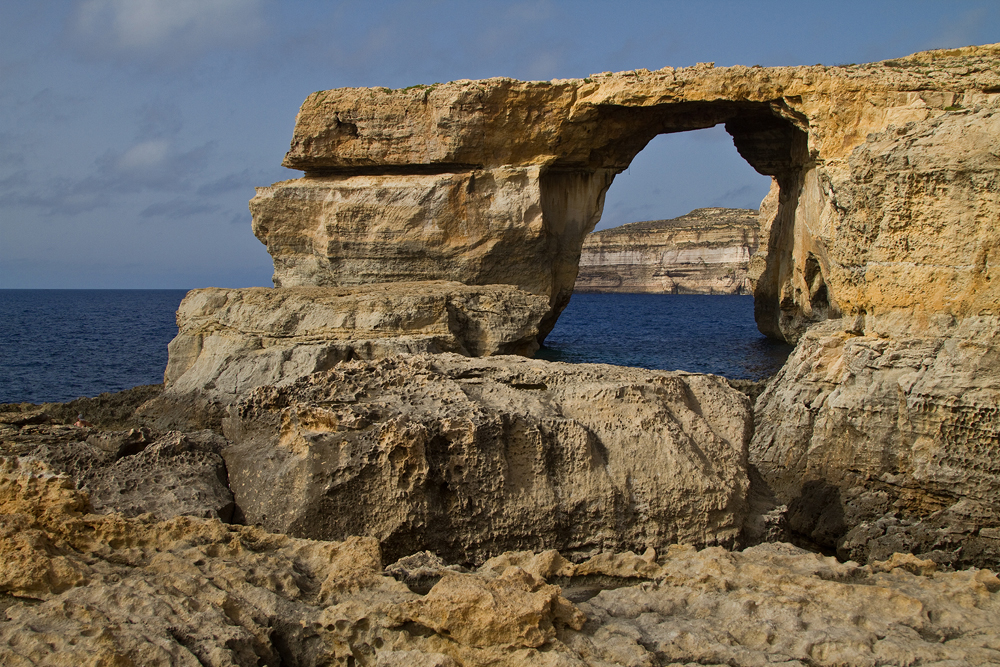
{"x":706,"y":251}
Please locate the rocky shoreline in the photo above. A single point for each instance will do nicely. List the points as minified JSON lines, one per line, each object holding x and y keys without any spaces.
{"x":117,"y":544}
{"x":362,"y":466}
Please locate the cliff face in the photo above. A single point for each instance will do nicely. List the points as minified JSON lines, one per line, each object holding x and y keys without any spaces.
{"x":706,"y":251}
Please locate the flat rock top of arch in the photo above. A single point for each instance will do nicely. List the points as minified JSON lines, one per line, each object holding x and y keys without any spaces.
{"x":568,"y":123}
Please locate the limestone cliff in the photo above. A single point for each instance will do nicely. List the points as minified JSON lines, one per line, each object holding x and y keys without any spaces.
{"x":706,"y":251}
{"x":499,"y":181}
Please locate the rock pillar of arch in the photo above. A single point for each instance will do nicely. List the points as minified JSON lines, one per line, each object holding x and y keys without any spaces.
{"x":498,"y":181}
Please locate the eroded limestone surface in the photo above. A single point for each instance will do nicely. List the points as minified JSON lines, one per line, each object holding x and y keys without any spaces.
{"x":472,"y":457}
{"x":76,"y":588}
{"x":884,"y":437}
{"x":132,"y":472}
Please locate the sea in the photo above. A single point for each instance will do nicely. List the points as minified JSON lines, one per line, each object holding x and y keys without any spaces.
{"x":59,"y":345}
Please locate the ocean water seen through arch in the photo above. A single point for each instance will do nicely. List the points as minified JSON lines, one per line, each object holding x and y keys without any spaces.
{"x":697,"y":333}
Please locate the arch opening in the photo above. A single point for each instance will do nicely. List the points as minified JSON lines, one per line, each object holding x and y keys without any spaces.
{"x":631,"y":320}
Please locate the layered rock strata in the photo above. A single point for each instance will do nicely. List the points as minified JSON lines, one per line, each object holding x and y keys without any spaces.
{"x":78,"y":588}
{"x":499,"y":181}
{"x":230,"y":341}
{"x":706,"y":251}
{"x":472,"y":457}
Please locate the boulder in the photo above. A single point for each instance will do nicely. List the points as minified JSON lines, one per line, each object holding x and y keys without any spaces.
{"x":472,"y":457}
{"x":883,"y":438}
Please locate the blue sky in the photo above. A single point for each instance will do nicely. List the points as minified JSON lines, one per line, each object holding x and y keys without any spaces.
{"x":132,"y":132}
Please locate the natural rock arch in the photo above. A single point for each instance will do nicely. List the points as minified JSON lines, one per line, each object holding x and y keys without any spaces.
{"x":498,"y":181}
{"x":448,"y":199}
{"x":883,"y":210}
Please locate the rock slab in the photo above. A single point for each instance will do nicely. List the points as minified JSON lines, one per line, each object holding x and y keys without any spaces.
{"x":133,"y":472}
{"x":230,"y":341}
{"x":472,"y":457}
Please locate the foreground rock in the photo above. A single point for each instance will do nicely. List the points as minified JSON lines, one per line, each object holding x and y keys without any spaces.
{"x":472,"y":457}
{"x":76,"y":588}
{"x":499,"y":181}
{"x":230,"y":341}
{"x":706,"y":251}
{"x":132,"y":472}
{"x":884,"y":438}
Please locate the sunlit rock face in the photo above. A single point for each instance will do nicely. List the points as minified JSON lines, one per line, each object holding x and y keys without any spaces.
{"x":500,"y":180}
{"x":471,"y":457}
{"x":230,"y":341}
{"x":706,"y":251}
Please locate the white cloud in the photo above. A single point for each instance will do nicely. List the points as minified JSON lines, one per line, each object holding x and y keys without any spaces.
{"x":146,"y":155}
{"x":176,"y":29}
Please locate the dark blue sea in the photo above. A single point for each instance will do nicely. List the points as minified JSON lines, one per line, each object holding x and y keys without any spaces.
{"x":58,"y":345}
{"x":691,"y":332}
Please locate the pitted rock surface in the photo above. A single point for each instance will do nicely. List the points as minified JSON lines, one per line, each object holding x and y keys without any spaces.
{"x":133,"y":472}
{"x":884,"y":438}
{"x":76,"y":588}
{"x":472,"y":457}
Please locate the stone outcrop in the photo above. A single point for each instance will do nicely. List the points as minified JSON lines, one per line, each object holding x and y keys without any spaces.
{"x":132,"y":472}
{"x":499,"y":181}
{"x":881,"y":431}
{"x":884,"y":438}
{"x":78,"y":588}
{"x":472,"y":457}
{"x":706,"y":251}
{"x":230,"y":341}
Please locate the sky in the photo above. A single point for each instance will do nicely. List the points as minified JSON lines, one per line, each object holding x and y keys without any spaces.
{"x":133,"y":132}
